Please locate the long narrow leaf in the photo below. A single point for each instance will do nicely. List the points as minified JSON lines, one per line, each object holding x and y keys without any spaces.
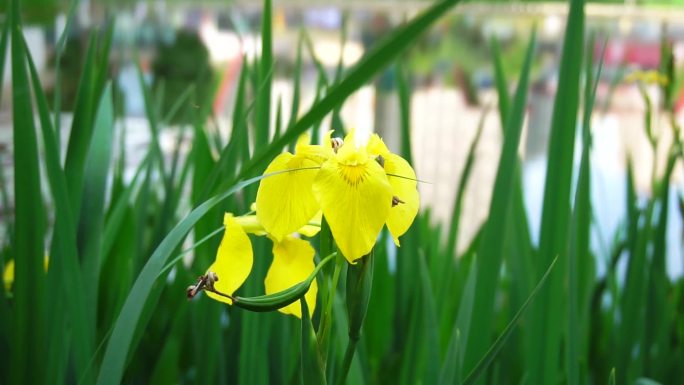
{"x":29,"y":225}
{"x":491,"y":248}
{"x":118,"y":346}
{"x":64,"y":277}
{"x":547,"y":321}
{"x":488,"y":358}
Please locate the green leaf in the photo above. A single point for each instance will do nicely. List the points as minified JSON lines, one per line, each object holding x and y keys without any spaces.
{"x":118,"y":346}
{"x":452,"y":368}
{"x":263,"y":97}
{"x":501,"y":83}
{"x":64,"y":276}
{"x":491,"y":249}
{"x":312,"y":365}
{"x":29,"y":302}
{"x":579,"y":257}
{"x":460,"y":191}
{"x":152,"y":118}
{"x":91,"y":224}
{"x":118,"y":211}
{"x":296,"y":80}
{"x":546,"y":326}
{"x":59,"y":52}
{"x":488,"y":358}
{"x":4,"y":39}
{"x":81,"y":129}
{"x":404,"y":93}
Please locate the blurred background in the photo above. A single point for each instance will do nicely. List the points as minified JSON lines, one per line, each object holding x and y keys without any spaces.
{"x":172,"y":103}
{"x":179,"y":43}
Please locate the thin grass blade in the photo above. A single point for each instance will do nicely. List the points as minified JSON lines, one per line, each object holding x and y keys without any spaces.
{"x":489,"y":357}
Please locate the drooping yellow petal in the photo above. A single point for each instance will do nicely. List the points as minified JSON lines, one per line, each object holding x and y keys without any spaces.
{"x":233,"y":260}
{"x":404,"y":187}
{"x":285,"y":201}
{"x":292,"y":264}
{"x":355,"y":197}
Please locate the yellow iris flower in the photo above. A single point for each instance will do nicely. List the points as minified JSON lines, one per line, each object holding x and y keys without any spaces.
{"x":359,"y":189}
{"x":647,"y":77}
{"x":292,"y":261}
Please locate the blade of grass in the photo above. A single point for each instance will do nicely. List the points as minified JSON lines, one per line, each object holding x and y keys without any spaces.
{"x":29,"y":307}
{"x":322,"y":73}
{"x":117,"y":348}
{"x":263,"y":98}
{"x":446,"y":270}
{"x":656,"y":340}
{"x":64,"y":277}
{"x":449,"y":372}
{"x":501,"y":83}
{"x":3,"y":52}
{"x":462,"y":184}
{"x":491,"y":248}
{"x":579,"y":258}
{"x":91,"y":223}
{"x":182,"y":99}
{"x":431,"y":353}
{"x":4,"y":39}
{"x":152,"y":118}
{"x":488,"y":358}
{"x":404,"y":94}
{"x":547,"y":316}
{"x":59,"y":52}
{"x":297,"y":80}
{"x":312,"y":366}
{"x":81,"y":129}
{"x":452,"y":367}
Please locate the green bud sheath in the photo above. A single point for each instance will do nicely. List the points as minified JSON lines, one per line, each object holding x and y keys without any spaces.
{"x":359,"y":284}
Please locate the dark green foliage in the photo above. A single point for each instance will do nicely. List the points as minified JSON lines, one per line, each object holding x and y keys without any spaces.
{"x":111,"y":307}
{"x":178,"y":65}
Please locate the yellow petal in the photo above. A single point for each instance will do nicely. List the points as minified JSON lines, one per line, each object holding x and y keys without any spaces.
{"x":377,"y":147}
{"x":314,"y":152}
{"x":8,"y":272}
{"x":292,"y":264}
{"x":314,"y":226}
{"x":285,"y":201}
{"x":355,"y":197}
{"x":404,"y":187}
{"x":250,"y":224}
{"x":8,"y":275}
{"x":233,"y":260}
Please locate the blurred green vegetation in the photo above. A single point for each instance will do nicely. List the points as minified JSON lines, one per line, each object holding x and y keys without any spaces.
{"x":179,"y":64}
{"x":111,"y":306}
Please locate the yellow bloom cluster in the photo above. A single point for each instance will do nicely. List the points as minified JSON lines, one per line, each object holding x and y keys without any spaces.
{"x":358,"y":189}
{"x":292,"y":261}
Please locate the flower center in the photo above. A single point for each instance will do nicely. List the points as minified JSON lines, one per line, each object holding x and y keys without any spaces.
{"x":353,"y":174}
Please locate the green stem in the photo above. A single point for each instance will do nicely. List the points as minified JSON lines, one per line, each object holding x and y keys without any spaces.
{"x":327,"y":315}
{"x":346,"y":364}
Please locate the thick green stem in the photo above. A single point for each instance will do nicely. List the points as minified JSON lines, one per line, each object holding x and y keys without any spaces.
{"x":346,"y":364}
